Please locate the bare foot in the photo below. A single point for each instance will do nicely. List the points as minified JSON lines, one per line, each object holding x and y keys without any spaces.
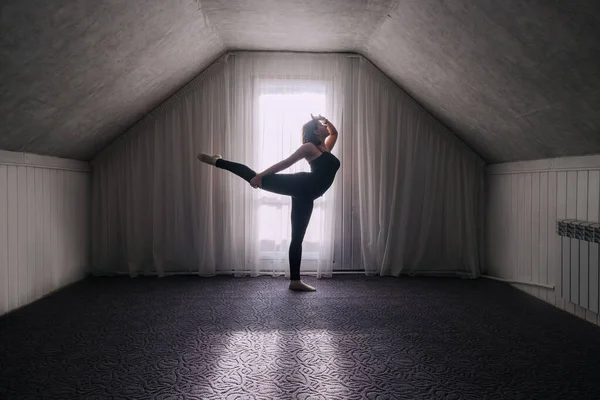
{"x":301,"y":286}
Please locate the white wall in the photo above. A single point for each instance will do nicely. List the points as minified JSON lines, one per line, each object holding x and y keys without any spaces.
{"x":44,"y":226}
{"x":524,"y":200}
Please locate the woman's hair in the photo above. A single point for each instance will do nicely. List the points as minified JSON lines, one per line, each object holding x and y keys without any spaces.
{"x":308,"y":132}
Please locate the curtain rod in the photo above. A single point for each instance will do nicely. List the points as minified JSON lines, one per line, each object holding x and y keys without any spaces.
{"x":348,"y":54}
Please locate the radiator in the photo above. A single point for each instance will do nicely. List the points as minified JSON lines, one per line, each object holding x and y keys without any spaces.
{"x":579,"y":278}
{"x":580,"y":230}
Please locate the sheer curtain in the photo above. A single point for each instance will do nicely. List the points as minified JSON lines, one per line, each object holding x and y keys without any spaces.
{"x":407,"y":198}
{"x":158,"y":210}
{"x":273,"y":97}
{"x":419,"y":187}
{"x":154,"y":209}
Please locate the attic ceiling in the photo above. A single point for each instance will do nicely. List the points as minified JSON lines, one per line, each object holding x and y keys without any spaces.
{"x":516,"y":80}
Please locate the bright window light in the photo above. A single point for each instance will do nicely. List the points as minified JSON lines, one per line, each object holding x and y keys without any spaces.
{"x":283,"y":110}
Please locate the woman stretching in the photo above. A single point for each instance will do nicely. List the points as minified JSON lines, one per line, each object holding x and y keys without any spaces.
{"x":318,"y":138}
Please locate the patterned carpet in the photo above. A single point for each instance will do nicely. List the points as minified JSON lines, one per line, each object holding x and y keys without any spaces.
{"x":250,"y":338}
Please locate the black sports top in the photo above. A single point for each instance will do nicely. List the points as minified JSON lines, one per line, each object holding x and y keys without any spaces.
{"x":323,"y":170}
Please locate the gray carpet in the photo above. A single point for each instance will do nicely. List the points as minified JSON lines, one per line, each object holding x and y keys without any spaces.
{"x":250,"y":338}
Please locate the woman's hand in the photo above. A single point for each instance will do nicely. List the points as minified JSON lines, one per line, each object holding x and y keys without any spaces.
{"x":319,"y":118}
{"x":256,"y":182}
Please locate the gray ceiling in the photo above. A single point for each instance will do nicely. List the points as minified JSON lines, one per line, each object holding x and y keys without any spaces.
{"x":516,"y":80}
{"x":76,"y":73}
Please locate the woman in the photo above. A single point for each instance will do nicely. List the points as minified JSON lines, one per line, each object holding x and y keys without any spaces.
{"x":318,"y":138}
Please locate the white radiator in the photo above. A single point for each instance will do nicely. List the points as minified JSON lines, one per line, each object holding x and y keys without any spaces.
{"x":578,"y":280}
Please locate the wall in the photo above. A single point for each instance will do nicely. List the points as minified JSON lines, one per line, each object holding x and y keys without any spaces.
{"x":524,"y":200}
{"x":44,"y":226}
{"x":156,"y":209}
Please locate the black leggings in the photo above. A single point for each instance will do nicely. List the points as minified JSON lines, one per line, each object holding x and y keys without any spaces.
{"x":294,"y":185}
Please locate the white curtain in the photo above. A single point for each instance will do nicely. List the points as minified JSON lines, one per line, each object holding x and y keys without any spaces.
{"x":154,"y":209}
{"x":407,"y":198}
{"x":419,"y":187}
{"x":272,"y":96}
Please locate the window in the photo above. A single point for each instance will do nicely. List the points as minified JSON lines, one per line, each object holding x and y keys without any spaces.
{"x":284,"y":106}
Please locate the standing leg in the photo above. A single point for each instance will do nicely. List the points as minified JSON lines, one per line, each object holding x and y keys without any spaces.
{"x":301,"y":213}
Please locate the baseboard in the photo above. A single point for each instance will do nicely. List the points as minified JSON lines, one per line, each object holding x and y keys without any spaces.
{"x":560,"y":303}
{"x":59,"y":288}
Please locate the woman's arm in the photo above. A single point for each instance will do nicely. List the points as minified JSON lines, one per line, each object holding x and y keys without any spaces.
{"x":333,"y":135}
{"x":302,"y":152}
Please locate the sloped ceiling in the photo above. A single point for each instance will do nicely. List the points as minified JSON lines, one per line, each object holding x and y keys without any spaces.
{"x":515,"y":79}
{"x":76,"y":73}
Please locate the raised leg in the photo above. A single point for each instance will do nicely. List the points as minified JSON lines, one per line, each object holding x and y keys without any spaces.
{"x":295,"y":185}
{"x":240,"y":170}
